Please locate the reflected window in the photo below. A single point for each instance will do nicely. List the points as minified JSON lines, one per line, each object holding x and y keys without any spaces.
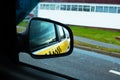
{"x":99,"y":8}
{"x":106,"y":9}
{"x":63,"y":7}
{"x":52,"y":7}
{"x":47,"y":6}
{"x":42,"y":6}
{"x":80,"y":8}
{"x":112,"y":9}
{"x":118,"y":9}
{"x":74,"y":7}
{"x":68,"y":7}
{"x":92,"y":8}
{"x":41,"y":33}
{"x":57,"y":7}
{"x":86,"y":8}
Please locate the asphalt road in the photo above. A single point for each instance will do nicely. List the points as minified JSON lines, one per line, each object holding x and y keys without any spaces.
{"x":81,"y":64}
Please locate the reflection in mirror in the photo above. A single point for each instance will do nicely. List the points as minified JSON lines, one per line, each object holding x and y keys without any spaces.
{"x":48,"y":38}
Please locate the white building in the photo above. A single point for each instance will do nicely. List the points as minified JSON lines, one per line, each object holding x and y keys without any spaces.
{"x":84,"y":14}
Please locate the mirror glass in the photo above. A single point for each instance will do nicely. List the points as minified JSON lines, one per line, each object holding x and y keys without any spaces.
{"x":48,"y":38}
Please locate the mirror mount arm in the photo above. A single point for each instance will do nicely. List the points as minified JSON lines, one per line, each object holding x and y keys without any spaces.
{"x":22,"y":42}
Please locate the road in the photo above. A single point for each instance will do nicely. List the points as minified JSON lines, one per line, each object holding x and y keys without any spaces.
{"x":81,"y":64}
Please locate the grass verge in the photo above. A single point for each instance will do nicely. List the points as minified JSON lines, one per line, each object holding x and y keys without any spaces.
{"x":23,"y":23}
{"x":22,"y":26}
{"x":107,"y":36}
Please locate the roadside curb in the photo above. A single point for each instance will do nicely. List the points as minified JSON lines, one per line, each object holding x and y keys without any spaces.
{"x":114,"y":54}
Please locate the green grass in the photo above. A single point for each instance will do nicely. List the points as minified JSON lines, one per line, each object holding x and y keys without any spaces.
{"x":107,"y":36}
{"x":22,"y":26}
{"x":23,"y":23}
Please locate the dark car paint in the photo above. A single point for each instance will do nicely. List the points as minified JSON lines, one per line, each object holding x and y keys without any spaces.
{"x":22,"y":71}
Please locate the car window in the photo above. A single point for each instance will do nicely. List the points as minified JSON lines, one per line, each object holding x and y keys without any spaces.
{"x":87,"y":62}
{"x":62,"y":34}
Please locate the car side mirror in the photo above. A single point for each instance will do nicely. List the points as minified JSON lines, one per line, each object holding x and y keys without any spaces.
{"x":47,"y":38}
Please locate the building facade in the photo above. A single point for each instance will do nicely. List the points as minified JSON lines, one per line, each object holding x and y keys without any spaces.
{"x":97,"y":13}
{"x":88,"y":1}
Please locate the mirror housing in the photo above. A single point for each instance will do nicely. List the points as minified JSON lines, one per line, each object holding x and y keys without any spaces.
{"x":45,"y":38}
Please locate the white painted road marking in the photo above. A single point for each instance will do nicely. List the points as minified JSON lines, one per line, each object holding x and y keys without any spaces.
{"x":114,"y":72}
